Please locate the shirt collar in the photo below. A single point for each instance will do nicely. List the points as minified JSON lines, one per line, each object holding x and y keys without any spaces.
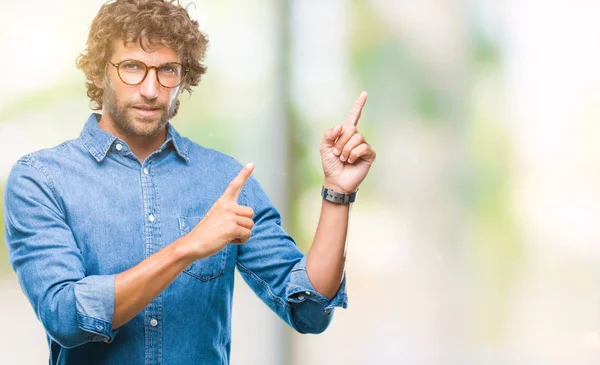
{"x":98,"y":141}
{"x":180,"y":143}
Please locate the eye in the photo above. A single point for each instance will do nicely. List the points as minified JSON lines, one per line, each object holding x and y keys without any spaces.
{"x":132,"y":66}
{"x":169,"y":69}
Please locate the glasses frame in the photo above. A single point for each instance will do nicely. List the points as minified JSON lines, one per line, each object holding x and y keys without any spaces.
{"x":148,"y":68}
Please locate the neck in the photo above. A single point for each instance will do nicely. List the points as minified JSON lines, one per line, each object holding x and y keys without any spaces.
{"x":141,"y":146}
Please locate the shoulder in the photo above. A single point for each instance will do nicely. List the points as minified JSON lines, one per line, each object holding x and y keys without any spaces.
{"x":46,"y":159}
{"x":40,"y":165}
{"x":32,"y":174}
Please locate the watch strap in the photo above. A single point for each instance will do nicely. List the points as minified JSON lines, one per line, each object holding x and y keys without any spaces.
{"x":338,"y":198}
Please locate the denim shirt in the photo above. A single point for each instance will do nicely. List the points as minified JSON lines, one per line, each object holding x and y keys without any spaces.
{"x":79,"y":213}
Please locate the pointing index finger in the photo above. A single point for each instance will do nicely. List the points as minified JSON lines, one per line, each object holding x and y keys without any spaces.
{"x":236,"y":185}
{"x":357,"y":109}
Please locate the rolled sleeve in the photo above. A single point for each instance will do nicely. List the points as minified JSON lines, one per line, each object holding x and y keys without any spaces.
{"x":94,"y":298}
{"x":312,"y":311}
{"x":300,"y":289}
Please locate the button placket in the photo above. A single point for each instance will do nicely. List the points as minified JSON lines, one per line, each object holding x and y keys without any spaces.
{"x":146,"y":178}
{"x":152,"y":234}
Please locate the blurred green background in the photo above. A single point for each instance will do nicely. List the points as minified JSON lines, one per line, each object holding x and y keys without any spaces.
{"x":475,"y":238}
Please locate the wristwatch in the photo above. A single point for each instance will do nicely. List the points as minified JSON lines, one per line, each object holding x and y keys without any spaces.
{"x":338,"y":198}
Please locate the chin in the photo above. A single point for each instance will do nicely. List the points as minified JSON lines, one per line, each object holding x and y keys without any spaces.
{"x":150,"y":127}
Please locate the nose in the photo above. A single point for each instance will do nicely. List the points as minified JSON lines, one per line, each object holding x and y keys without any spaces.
{"x":150,"y":86}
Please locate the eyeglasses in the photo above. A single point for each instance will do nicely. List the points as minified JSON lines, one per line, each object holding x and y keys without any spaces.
{"x":134,"y":72}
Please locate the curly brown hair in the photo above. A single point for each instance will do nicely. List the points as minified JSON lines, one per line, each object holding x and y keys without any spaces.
{"x":151,"y":23}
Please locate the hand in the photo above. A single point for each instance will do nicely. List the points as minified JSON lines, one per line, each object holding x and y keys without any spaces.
{"x":345,"y":154}
{"x":226,"y":221}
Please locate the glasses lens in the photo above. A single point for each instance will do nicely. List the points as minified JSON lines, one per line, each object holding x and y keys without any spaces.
{"x":132,"y":72}
{"x":170,"y":74}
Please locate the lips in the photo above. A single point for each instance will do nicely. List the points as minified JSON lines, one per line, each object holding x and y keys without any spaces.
{"x":146,"y":110}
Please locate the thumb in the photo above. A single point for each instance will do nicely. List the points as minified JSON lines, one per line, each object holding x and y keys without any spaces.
{"x":332,"y":134}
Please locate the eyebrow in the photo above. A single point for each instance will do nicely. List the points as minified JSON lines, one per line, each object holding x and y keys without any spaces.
{"x":136,"y":60}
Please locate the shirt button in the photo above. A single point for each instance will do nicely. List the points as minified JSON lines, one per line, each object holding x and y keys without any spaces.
{"x":153,"y":322}
{"x":151,"y":218}
{"x":307,"y":292}
{"x":301,"y":297}
{"x":145,"y":171}
{"x":119,"y":146}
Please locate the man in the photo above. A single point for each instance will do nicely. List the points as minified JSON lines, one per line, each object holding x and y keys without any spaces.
{"x":125,"y":240}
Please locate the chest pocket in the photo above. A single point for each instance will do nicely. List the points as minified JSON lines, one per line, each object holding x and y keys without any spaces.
{"x":207,"y":268}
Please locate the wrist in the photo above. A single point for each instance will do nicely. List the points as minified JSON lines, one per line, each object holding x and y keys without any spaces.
{"x":337,"y":188}
{"x":185,"y":250}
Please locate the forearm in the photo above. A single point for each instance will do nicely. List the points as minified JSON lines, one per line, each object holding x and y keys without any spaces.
{"x":326,"y":258}
{"x":138,"y":286}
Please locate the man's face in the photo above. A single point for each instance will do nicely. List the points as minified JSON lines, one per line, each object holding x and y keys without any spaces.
{"x":141,"y":110}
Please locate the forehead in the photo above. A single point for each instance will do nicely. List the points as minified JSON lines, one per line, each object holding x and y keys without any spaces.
{"x":157,"y":54}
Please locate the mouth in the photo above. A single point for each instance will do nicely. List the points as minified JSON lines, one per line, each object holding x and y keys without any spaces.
{"x":146,"y":110}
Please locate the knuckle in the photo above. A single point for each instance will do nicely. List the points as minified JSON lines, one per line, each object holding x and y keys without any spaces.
{"x":231,"y":226}
{"x":233,"y":185}
{"x":350,"y":133}
{"x":246,"y":212}
{"x":340,"y":145}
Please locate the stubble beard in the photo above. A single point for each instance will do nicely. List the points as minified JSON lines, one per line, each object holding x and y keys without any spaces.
{"x":127,"y":121}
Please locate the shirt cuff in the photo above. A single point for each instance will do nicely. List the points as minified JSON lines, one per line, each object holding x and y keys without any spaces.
{"x":300,"y":289}
{"x":95,"y":300}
